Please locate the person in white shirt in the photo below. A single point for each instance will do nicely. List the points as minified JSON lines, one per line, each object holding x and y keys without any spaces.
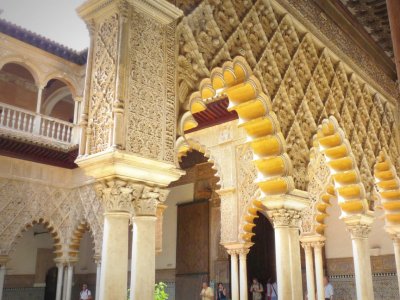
{"x":328,"y":289}
{"x":272,"y":288}
{"x":85,"y":293}
{"x":206,"y":293}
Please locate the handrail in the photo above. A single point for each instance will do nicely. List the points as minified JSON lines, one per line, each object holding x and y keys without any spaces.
{"x":22,"y":120}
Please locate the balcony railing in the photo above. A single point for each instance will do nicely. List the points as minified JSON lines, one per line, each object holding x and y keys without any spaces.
{"x":22,"y":120}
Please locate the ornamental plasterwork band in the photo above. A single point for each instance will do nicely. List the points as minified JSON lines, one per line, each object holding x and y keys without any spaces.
{"x":127,"y":196}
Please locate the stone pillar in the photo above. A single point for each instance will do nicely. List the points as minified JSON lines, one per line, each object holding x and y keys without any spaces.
{"x":396,"y":245}
{"x":319,"y":269}
{"x":117,"y":196}
{"x":98,"y":276}
{"x":2,"y":276}
{"x":282,"y":219}
{"x":143,"y":261}
{"x":362,"y":262}
{"x":295,"y":258}
{"x":39,"y":100}
{"x":309,"y":270}
{"x":234,"y":274}
{"x":65,"y":281}
{"x":244,"y":290}
{"x":68,"y":287}
{"x":129,"y":140}
{"x":60,"y":267}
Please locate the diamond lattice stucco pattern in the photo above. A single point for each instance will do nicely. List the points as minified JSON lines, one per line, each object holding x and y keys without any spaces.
{"x":306,"y":82}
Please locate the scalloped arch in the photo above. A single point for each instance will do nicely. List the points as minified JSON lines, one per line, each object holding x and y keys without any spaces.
{"x":183,"y":145}
{"x":235,"y":81}
{"x":388,"y":186}
{"x":349,"y":189}
{"x":75,"y":240}
{"x":58,"y":245}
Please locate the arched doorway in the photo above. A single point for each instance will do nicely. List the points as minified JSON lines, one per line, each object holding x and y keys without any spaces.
{"x":51,"y":284}
{"x":261,"y":263}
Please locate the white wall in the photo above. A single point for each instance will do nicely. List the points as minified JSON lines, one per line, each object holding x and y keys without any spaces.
{"x":338,"y":243}
{"x":180,"y":194}
{"x":86,"y":262}
{"x":23,"y":258}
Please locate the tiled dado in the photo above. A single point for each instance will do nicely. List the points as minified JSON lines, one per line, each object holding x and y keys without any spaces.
{"x":385,"y":286}
{"x":345,"y":266}
{"x":341,"y":274}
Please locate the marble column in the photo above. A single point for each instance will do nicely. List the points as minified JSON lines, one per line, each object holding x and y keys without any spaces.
{"x":117,"y":196}
{"x":362,"y":262}
{"x":2,"y":276}
{"x":60,"y":267}
{"x":114,"y":266}
{"x":98,"y":275}
{"x":244,"y":290}
{"x":309,"y":270}
{"x":396,"y":245}
{"x":70,"y":272}
{"x":65,"y":280}
{"x":234,"y":274}
{"x":295,"y":259}
{"x":144,"y":242}
{"x":143,"y":257}
{"x":39,"y":100}
{"x":319,"y":270}
{"x":281,"y":219}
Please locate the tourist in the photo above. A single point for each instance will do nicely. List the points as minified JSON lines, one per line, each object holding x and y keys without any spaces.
{"x":328,"y":289}
{"x":85,"y":293}
{"x":221,"y":293}
{"x":272,"y":290}
{"x":256,"y":289}
{"x":207,"y":293}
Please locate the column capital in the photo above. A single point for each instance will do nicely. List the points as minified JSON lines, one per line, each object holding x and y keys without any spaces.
{"x":146,"y":204}
{"x":117,"y":194}
{"x":359,"y":231}
{"x":285,"y":217}
{"x":4,"y":259}
{"x":318,"y":244}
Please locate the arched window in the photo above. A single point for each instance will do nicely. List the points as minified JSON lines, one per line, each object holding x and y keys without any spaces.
{"x":17,"y":87}
{"x":57,"y":101}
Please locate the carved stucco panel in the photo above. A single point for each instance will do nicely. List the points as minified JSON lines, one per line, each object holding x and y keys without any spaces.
{"x":151,"y":90}
{"x":63,"y":209}
{"x":103,"y":83}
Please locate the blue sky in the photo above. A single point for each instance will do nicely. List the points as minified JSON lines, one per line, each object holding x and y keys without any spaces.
{"x":54,"y":19}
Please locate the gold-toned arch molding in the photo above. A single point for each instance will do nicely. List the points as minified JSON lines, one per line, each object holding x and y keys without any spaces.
{"x":235,"y":81}
{"x":340,"y":160}
{"x":73,"y":251}
{"x":388,"y":186}
{"x":320,"y":209}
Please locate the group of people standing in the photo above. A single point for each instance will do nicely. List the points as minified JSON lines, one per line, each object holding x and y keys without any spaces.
{"x":257,"y":291}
